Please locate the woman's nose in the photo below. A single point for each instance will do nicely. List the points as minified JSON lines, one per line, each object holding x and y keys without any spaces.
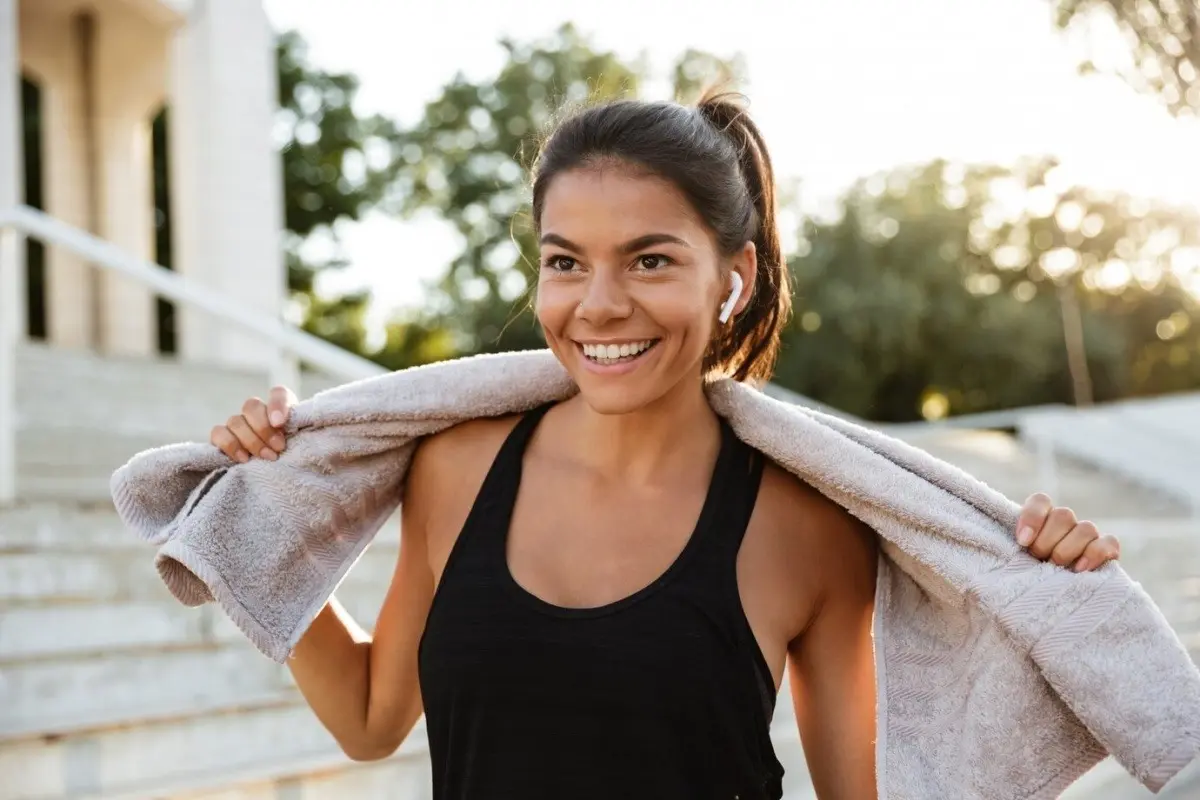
{"x":604,"y":299}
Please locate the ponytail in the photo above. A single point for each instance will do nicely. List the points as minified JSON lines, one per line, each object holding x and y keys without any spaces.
{"x":748,"y":349}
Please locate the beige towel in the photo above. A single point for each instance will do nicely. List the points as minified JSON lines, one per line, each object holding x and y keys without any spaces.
{"x":998,"y":676}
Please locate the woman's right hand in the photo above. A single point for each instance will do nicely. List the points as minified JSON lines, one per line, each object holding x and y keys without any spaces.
{"x":258,"y":429}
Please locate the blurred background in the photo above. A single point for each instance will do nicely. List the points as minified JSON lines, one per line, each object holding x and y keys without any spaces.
{"x":991,"y":210}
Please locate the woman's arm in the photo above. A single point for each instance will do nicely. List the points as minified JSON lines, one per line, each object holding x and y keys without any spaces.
{"x":832,"y":665}
{"x":363,"y":688}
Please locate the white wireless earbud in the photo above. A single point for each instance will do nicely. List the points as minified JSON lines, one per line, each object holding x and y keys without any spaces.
{"x":734,"y":294}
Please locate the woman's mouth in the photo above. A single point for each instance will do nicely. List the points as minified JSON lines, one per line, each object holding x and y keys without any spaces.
{"x":613,"y":354}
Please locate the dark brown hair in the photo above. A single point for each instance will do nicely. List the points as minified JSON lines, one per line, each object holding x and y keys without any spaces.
{"x":716,"y":156}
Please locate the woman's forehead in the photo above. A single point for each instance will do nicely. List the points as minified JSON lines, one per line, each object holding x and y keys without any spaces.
{"x":615,"y":200}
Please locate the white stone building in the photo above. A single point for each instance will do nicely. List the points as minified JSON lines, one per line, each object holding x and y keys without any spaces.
{"x":94,"y":74}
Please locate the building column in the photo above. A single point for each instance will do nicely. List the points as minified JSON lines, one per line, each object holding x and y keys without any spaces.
{"x":127,"y":316}
{"x":51,"y":55}
{"x":227,"y":193}
{"x":71,"y":300}
{"x":12,"y":261}
{"x":129,"y":61}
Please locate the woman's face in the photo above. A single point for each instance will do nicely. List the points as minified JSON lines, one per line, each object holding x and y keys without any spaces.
{"x":630,"y":285}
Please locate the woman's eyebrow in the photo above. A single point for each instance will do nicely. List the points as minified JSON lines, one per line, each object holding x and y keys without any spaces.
{"x":651,"y":239}
{"x":632,"y":246}
{"x":559,"y":241}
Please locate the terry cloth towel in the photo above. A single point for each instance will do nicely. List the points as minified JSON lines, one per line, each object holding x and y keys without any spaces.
{"x":998,"y":676}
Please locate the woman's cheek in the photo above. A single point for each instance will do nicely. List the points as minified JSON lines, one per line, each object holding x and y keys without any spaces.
{"x":552,"y":306}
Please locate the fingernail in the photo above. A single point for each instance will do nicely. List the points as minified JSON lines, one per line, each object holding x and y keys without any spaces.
{"x":268,"y":454}
{"x":276,"y":443}
{"x":1025,"y":536}
{"x":277,"y":418}
{"x":242,"y":456}
{"x":1082,"y":565}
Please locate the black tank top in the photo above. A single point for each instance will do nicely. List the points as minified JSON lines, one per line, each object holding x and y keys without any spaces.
{"x":663,"y":694}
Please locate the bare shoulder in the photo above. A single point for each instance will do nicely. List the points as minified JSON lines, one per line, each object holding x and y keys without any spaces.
{"x":808,"y":521}
{"x":805,"y":547}
{"x":445,"y":475}
{"x":461,"y":447}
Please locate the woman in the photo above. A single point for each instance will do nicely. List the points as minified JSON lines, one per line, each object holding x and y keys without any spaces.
{"x":599,"y":598}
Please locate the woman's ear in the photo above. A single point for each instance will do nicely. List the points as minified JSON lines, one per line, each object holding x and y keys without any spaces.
{"x":745,"y":264}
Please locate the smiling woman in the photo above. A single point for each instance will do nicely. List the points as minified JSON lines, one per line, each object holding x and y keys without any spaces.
{"x":599,"y":598}
{"x":645,"y":214}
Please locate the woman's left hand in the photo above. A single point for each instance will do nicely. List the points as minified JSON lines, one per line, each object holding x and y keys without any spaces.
{"x":1052,"y":533}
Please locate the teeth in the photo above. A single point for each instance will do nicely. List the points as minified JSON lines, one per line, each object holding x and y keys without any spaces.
{"x":612,"y":352}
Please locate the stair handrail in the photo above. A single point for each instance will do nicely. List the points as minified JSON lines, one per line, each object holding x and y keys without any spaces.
{"x":21,"y":221}
{"x":310,"y":349}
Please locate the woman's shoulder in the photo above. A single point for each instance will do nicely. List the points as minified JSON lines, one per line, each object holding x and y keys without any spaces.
{"x":809,"y":524}
{"x":452,"y":456}
{"x":444,"y":478}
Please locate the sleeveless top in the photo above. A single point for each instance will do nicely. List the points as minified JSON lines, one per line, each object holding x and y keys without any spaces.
{"x":662,"y":694}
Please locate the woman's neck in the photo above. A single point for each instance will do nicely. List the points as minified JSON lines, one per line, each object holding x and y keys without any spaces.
{"x":674,"y":432}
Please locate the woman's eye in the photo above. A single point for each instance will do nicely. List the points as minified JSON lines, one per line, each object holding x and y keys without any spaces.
{"x":559,"y":263}
{"x":653,"y":261}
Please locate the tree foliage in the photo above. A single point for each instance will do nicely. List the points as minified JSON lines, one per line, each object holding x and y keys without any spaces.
{"x":697,"y":70}
{"x":1163,"y":41}
{"x":336,"y":165}
{"x":938,"y":291}
{"x":468,"y":161}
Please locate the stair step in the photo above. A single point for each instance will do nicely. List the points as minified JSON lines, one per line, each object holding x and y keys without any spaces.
{"x":55,"y":526}
{"x":188,"y":754}
{"x":119,"y":687}
{"x":70,"y":441}
{"x":1008,"y":465}
{"x":51,"y":526}
{"x":1149,"y":443}
{"x":45,"y":632}
{"x":313,"y":777}
{"x":118,"y":574}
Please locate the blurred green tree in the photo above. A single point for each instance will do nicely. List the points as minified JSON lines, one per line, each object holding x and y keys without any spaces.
{"x":940,"y":290}
{"x":696,"y":70}
{"x":467,"y":160}
{"x":1162,"y":38}
{"x":336,"y":164}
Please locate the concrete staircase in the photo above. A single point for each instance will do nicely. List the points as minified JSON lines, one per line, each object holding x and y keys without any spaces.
{"x":1007,"y":464}
{"x":110,"y":689}
{"x":1150,"y":441}
{"x":80,"y":415}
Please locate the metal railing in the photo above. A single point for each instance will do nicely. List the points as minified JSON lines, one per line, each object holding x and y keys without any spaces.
{"x":22,"y":222}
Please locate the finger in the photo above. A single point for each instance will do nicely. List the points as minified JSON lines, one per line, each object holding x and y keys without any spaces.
{"x":1071,"y":546}
{"x":227,"y":443}
{"x":1059,"y":523}
{"x":249,"y":439}
{"x":279,"y":405}
{"x":1033,"y":517}
{"x":254,"y":411}
{"x":1098,"y":553}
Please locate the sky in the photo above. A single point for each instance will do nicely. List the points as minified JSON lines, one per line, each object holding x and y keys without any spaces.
{"x":840,"y":89}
